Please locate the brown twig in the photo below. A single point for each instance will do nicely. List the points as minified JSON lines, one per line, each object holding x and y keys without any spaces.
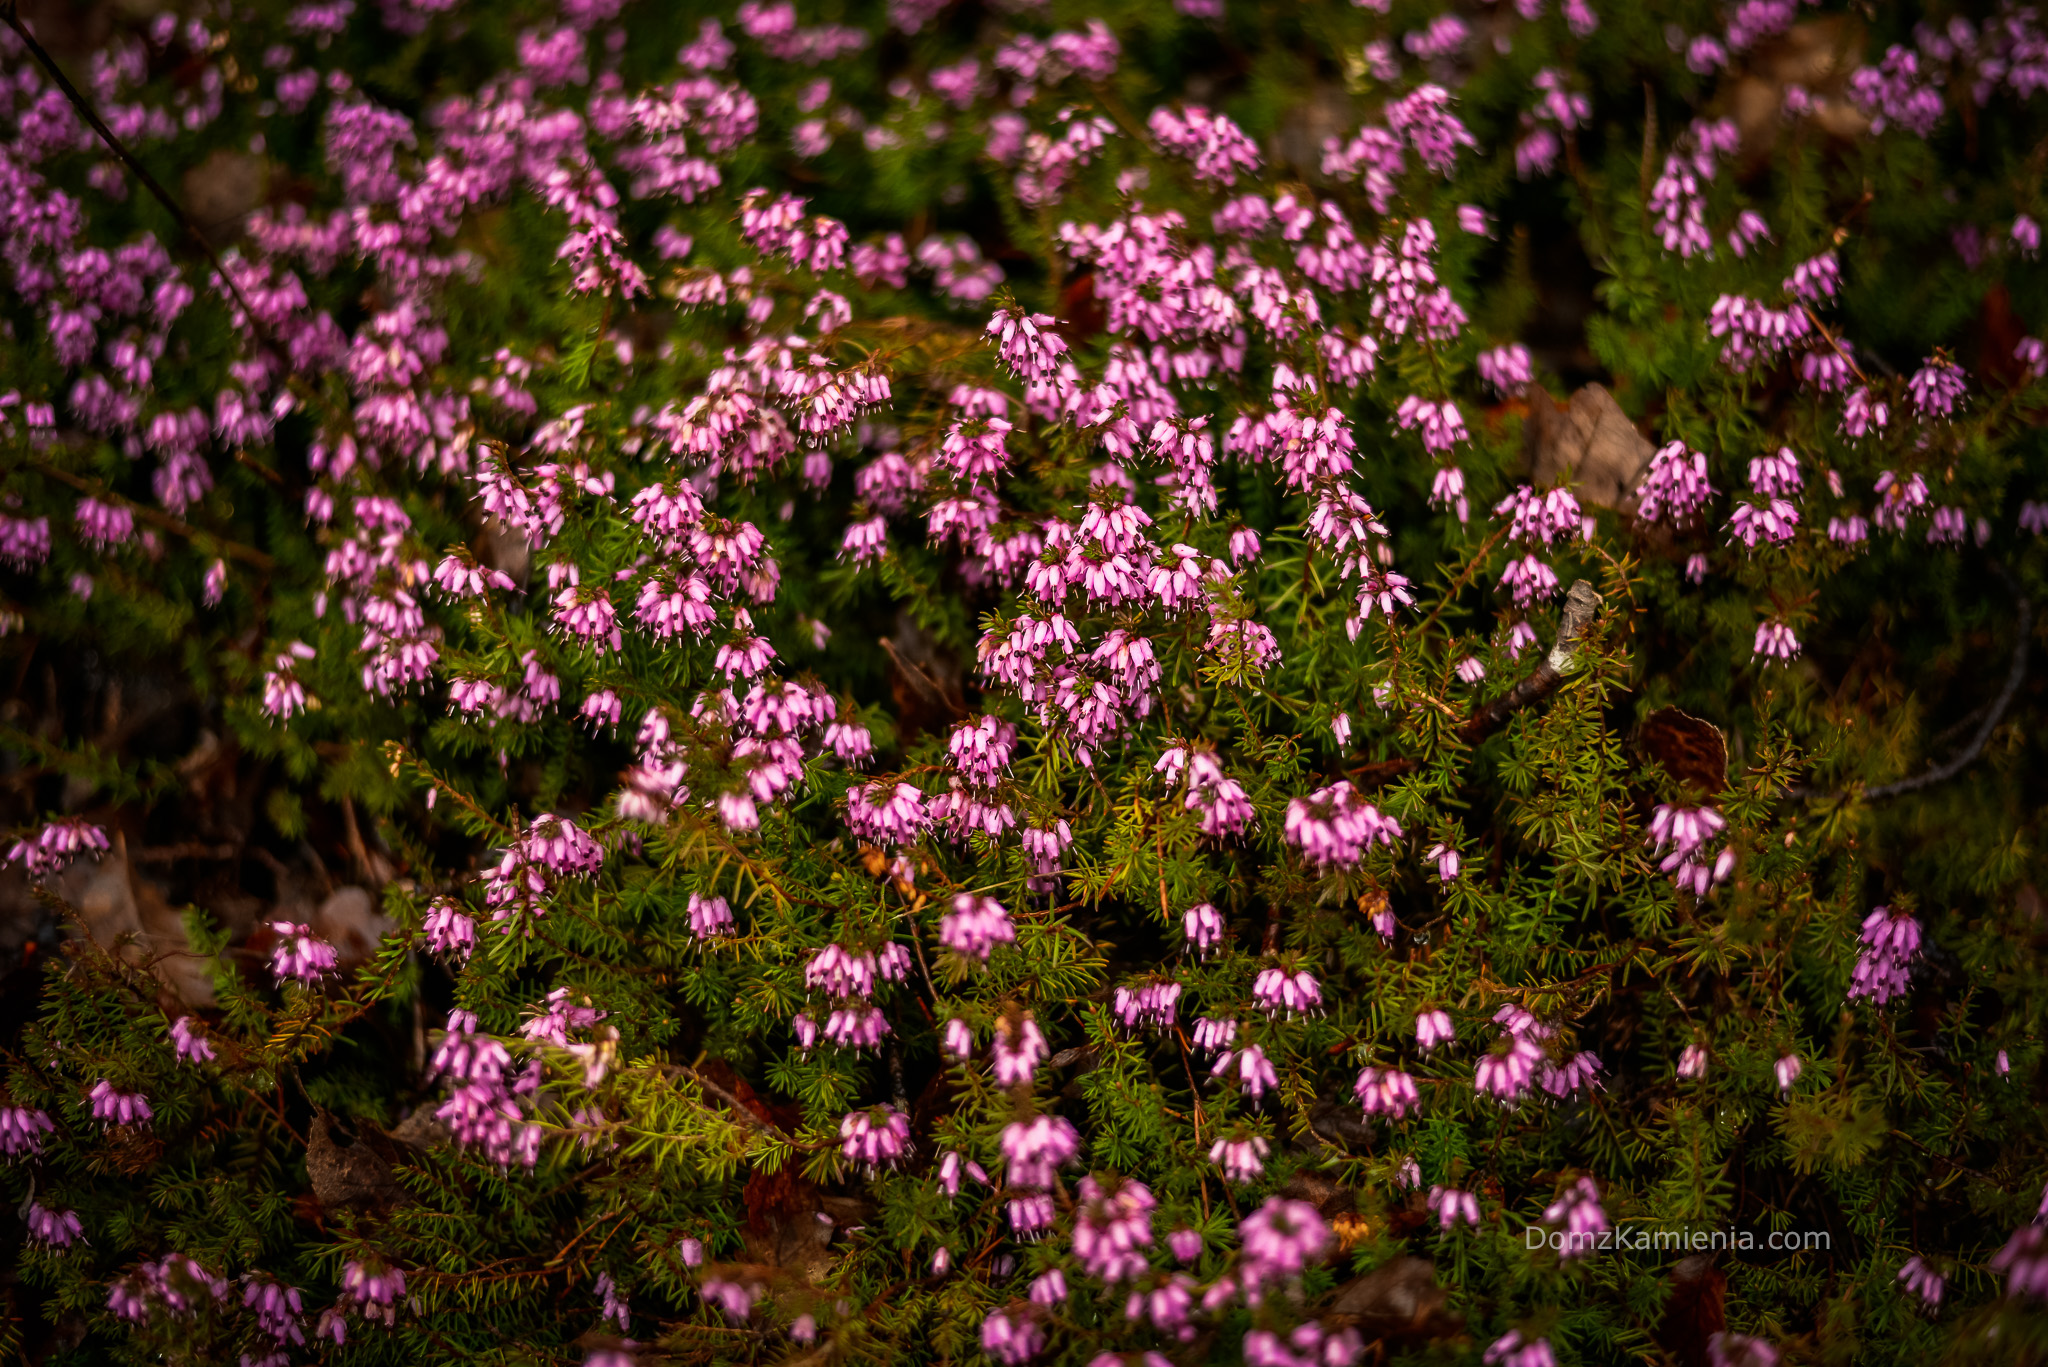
{"x":247,"y":554}
{"x":2000,"y":705}
{"x":11,"y":16}
{"x":1580,"y":605}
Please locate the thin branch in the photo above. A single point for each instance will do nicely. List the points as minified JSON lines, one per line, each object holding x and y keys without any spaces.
{"x":12,"y":17}
{"x":156,"y":518}
{"x":1581,"y":604}
{"x":1941,"y":773}
{"x":741,"y":1111}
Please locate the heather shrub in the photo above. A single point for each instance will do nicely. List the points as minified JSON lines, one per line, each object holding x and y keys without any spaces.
{"x":1102,"y":684}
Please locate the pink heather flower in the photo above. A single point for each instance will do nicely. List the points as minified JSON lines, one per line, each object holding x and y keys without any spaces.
{"x":1898,"y":499}
{"x":1506,"y":368}
{"x":559,"y":845}
{"x":1923,"y":1281}
{"x":602,"y":708}
{"x":104,"y":526}
{"x":1442,"y":425}
{"x":1028,"y":344}
{"x":975,"y":926}
{"x":1335,"y":826}
{"x":1218,"y":148}
{"x":1936,"y":387}
{"x":1512,"y":1350}
{"x":118,"y":1108}
{"x":1452,"y":1205}
{"x":856,"y":1026}
{"x":1739,"y":1350}
{"x":1447,"y":490}
{"x":1242,"y":1160}
{"x":1204,"y":927}
{"x":1472,"y":219}
{"x":709,"y":916}
{"x":1035,"y":1149}
{"x":1185,"y":1244}
{"x":850,"y":741}
{"x":2032,"y":354}
{"x":1543,"y":517}
{"x":1445,"y":35}
{"x":1244,"y":545}
{"x":952,"y":1167}
{"x":1680,"y":836}
{"x":1848,"y":531}
{"x":1280,"y":1239}
{"x":1424,"y":118}
{"x":1389,"y":1092}
{"x":1788,"y":1070}
{"x":1433,"y":1028}
{"x":1948,"y":527}
{"x":1471,"y":670}
{"x":277,"y":1308}
{"x":1773,"y":523}
{"x":1530,"y":580}
{"x":2024,"y":1261}
{"x":1692,"y":1062}
{"x":1775,"y":641}
{"x":1448,"y":862}
{"x":1254,"y":1071}
{"x":460,"y":577}
{"x":57,"y":844}
{"x":981,"y":749}
{"x":1890,"y":943}
{"x":22,"y":1130}
{"x":1018,"y":1051}
{"x":886,"y":813}
{"x":54,"y":1228}
{"x":839,"y":972}
{"x":1031,"y":1214}
{"x":1113,"y":1228}
{"x":1212,"y":1034}
{"x":1862,"y":415}
{"x":874,"y":1138}
{"x":1275,"y":991}
{"x":1578,"y":1210}
{"x":190,"y":1042}
{"x":25,"y":542}
{"x":734,"y":1301}
{"x":1154,"y":1005}
{"x":1561,"y":1080}
{"x":375,"y":1292}
{"x":299,"y":955}
{"x":1507,"y":1072}
{"x":1775,"y":475}
{"x":449,"y":930}
{"x":1011,"y":1336}
{"x":1814,"y":280}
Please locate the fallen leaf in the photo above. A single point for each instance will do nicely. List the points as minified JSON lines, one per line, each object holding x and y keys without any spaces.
{"x":1398,"y":1301}
{"x":349,"y":920}
{"x":350,"y":1166}
{"x":1695,"y":1311}
{"x":1589,"y":444}
{"x":1692,"y":751}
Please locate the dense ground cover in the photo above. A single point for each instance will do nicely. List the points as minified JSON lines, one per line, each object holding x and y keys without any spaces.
{"x":1079,"y":683}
